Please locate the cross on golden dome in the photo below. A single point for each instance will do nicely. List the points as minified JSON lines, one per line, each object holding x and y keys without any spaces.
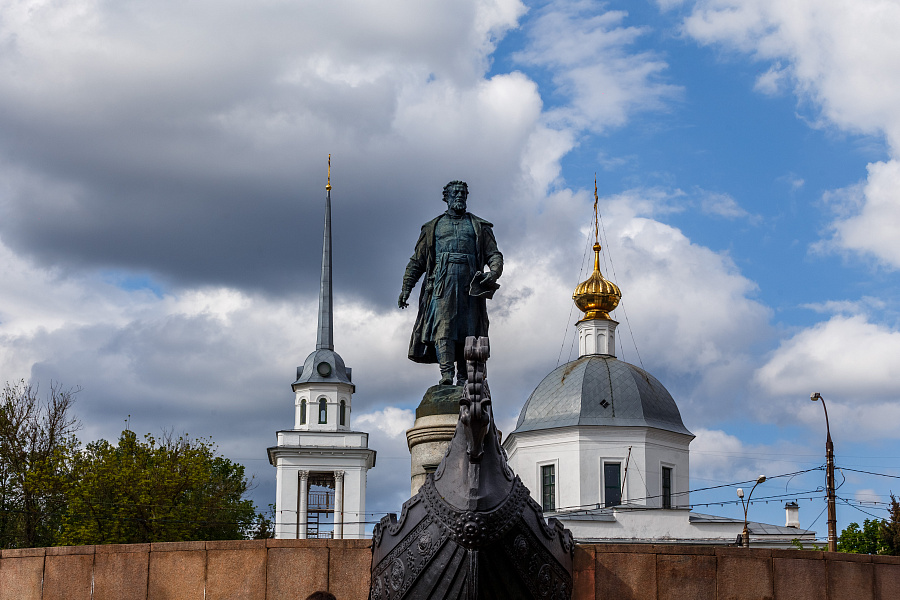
{"x":596,"y":296}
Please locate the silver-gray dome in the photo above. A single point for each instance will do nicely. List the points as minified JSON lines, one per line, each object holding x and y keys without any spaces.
{"x":336,"y":370}
{"x":598,"y":389}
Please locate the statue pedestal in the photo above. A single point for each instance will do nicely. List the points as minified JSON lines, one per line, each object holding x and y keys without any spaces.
{"x":430,"y":435}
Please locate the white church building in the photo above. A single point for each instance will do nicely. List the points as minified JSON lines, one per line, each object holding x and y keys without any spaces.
{"x":321,"y":463}
{"x":601,"y":446}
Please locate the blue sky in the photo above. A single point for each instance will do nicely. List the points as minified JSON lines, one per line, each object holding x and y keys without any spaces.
{"x":161,"y":202}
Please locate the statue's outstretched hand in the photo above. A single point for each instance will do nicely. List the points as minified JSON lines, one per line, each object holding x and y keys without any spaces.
{"x":404,"y":296}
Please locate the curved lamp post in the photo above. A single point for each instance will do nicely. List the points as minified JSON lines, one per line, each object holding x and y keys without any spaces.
{"x":740,"y":493}
{"x":829,"y":478}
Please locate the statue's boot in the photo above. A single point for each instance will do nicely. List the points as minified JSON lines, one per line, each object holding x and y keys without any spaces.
{"x":446,"y":357}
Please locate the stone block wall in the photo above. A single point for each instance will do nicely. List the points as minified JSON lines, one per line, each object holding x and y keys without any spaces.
{"x":292,"y":569}
{"x":228,"y":570}
{"x":658,"y":572}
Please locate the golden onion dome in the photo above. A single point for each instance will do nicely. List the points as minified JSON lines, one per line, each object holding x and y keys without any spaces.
{"x":596,"y":296}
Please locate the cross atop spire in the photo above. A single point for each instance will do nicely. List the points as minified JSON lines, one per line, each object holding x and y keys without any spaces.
{"x":325,"y":337}
{"x":596,"y":220}
{"x":596,"y":296}
{"x":328,"y":185}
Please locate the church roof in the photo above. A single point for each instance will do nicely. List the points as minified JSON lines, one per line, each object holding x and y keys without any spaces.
{"x":598,"y":389}
{"x":324,"y":366}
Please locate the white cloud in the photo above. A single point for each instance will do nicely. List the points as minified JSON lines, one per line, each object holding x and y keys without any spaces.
{"x":772,"y":81}
{"x":391,"y":420}
{"x":846,"y":357}
{"x":693,"y":314}
{"x":873,"y":230}
{"x":680,"y":294}
{"x":592,"y":65}
{"x":721,"y":205}
{"x":720,"y":457}
{"x":715,"y":456}
{"x":850,"y":360}
{"x":851,"y":307}
{"x":841,"y":57}
{"x":388,"y":483}
{"x":867,"y":495}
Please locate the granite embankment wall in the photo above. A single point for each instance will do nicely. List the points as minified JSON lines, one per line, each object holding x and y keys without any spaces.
{"x":292,"y":569}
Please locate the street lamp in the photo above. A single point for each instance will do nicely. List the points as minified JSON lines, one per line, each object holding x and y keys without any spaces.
{"x":740,"y":493}
{"x":829,"y":478}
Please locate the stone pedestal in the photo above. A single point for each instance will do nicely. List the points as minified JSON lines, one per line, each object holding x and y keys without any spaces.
{"x":429,"y":437}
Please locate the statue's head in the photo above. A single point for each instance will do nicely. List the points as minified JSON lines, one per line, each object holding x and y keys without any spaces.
{"x":455,"y":195}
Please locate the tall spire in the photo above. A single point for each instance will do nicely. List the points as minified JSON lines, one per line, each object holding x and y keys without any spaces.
{"x":325,"y":338}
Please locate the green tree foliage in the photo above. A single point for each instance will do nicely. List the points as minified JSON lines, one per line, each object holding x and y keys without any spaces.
{"x":890,"y":529}
{"x":54,"y":492}
{"x":877,"y":536}
{"x":155,"y":491}
{"x":866,"y":540}
{"x":37,"y":444}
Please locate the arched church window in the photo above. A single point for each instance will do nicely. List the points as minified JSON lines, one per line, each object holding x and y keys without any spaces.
{"x":303,"y":412}
{"x":323,"y":410}
{"x":343,"y":412}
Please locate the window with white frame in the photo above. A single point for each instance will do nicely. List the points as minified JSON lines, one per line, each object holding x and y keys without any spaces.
{"x":666,"y":479}
{"x":612,"y":483}
{"x":548,"y":487}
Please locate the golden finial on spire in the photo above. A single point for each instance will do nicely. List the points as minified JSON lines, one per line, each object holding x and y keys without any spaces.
{"x":596,"y":296}
{"x":328,"y":185}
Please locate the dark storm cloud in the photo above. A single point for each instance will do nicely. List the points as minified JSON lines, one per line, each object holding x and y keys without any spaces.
{"x":198,"y":156}
{"x":260,"y":230}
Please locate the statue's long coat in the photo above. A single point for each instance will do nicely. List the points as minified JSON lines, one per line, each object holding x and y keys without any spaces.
{"x":423,"y":260}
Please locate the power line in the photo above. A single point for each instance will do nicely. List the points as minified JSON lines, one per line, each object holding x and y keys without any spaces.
{"x":572,"y":306}
{"x":870,"y":473}
{"x":595,"y":505}
{"x":848,"y":503}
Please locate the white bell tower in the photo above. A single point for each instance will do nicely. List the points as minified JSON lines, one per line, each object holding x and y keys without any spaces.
{"x":321,"y":463}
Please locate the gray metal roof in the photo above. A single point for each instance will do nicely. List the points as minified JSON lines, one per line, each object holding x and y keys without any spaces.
{"x":309,"y":372}
{"x":599,"y":389}
{"x":755,"y":527}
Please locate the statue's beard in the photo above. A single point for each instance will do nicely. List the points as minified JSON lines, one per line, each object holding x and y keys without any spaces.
{"x":458,"y":207}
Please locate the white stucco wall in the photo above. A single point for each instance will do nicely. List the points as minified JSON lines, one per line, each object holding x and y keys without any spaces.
{"x":580,"y":452}
{"x":673,"y":526}
{"x":333,"y":394}
{"x":354,"y":460}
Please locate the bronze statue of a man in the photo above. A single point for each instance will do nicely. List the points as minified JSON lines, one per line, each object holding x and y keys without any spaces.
{"x":452,"y":250}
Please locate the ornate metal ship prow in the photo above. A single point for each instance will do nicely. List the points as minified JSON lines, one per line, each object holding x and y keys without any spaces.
{"x":473,"y":531}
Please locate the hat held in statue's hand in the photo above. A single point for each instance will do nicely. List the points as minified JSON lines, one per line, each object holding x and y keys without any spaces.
{"x":483,"y":286}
